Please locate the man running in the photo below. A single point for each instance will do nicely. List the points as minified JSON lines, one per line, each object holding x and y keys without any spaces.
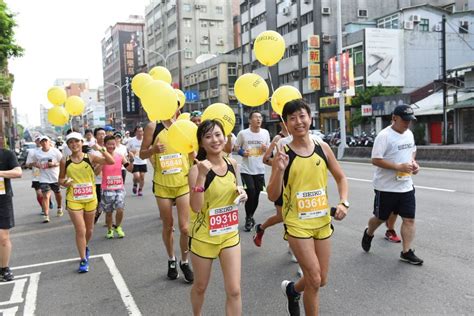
{"x":252,"y":143}
{"x":394,"y":156}
{"x":139,"y":164}
{"x":170,"y":185}
{"x":9,"y":169}
{"x":47,"y":159}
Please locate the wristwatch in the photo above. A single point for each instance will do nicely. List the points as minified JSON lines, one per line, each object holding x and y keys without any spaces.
{"x":102,"y":150}
{"x":345,"y":203}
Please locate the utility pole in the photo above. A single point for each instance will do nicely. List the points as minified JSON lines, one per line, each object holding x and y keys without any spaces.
{"x":342,"y":112}
{"x":445,"y":87}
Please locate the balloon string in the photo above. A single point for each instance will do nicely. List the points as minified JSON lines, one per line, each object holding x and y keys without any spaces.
{"x":273,"y":90}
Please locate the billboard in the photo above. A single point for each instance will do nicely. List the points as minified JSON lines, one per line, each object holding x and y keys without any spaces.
{"x":128,"y":45}
{"x":384,"y":57}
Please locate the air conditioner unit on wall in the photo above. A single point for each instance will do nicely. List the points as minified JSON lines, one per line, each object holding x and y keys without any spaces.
{"x":326,"y":10}
{"x":408,"y":25}
{"x":326,"y":38}
{"x":294,"y":22}
{"x":416,"y":18}
{"x":286,"y":11}
{"x":437,"y":27}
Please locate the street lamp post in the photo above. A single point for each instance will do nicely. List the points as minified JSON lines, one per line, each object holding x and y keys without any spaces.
{"x":119,"y":88}
{"x":165,"y":58}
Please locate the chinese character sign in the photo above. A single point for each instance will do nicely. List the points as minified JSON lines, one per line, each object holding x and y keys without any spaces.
{"x":313,"y":41}
{"x":128,"y":44}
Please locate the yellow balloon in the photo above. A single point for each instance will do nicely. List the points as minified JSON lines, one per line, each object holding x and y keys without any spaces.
{"x":282,"y":95}
{"x":181,"y":97}
{"x":57,"y":95}
{"x":74,"y":105}
{"x":184,"y":116}
{"x":183,"y":134}
{"x":221,"y":112}
{"x":269,"y":47}
{"x":139,"y":81}
{"x":250,"y":89}
{"x":58,"y":116}
{"x":159,"y":100}
{"x":161,"y":73}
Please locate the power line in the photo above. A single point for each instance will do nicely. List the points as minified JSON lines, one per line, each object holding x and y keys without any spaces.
{"x":457,"y":33}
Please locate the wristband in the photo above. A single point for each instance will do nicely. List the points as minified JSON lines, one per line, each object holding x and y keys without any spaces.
{"x":241,"y":152}
{"x":197,"y":189}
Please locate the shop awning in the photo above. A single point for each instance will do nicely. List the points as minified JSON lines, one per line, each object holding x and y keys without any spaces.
{"x":433,"y":104}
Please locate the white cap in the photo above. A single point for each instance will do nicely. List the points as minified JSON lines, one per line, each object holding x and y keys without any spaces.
{"x":37,"y":137}
{"x":44,"y":137}
{"x":74,"y":135}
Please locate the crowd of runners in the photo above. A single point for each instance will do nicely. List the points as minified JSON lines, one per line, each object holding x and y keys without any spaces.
{"x":203,"y":187}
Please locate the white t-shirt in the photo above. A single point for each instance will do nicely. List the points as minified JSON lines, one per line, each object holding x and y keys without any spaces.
{"x":397,"y":148}
{"x":248,"y":140}
{"x":29,"y":159}
{"x":134,"y":145}
{"x":66,"y":151}
{"x":121,"y":150}
{"x":48,"y":175}
{"x":90,"y":143}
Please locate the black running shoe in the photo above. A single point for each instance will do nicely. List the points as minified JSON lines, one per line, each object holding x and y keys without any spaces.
{"x":410,"y":257}
{"x":6,"y":275}
{"x":366,"y":241}
{"x":188,"y":273}
{"x":293,"y":301}
{"x":248,"y":224}
{"x":172,"y":270}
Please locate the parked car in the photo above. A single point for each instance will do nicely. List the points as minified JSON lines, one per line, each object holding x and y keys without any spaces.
{"x":317,"y":132}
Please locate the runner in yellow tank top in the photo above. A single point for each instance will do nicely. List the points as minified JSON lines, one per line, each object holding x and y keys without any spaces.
{"x":170,"y":186}
{"x":300,"y":171}
{"x":214,"y":197}
{"x":77,"y":175}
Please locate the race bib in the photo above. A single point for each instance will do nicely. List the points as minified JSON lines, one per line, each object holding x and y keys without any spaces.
{"x":114,"y":183}
{"x":36,"y":172}
{"x":223,"y":220}
{"x":2,"y":186}
{"x":403,"y":176}
{"x":312,"y":204}
{"x":171,"y":164}
{"x":44,"y":164}
{"x":82,"y":191}
{"x":255,"y":151}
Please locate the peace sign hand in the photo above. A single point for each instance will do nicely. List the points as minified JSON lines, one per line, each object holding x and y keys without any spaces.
{"x":281,"y":160}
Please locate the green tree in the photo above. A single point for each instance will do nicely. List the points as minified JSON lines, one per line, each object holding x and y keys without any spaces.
{"x":8,"y":47}
{"x":364,"y":96}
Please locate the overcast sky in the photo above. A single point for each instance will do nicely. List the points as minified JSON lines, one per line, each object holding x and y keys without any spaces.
{"x":61,"y":39}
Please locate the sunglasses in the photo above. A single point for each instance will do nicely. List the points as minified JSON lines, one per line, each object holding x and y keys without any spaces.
{"x":196,"y":113}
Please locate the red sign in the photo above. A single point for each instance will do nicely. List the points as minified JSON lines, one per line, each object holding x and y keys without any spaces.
{"x":332,"y":78}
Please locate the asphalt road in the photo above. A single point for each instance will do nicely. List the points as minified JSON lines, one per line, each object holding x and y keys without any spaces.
{"x":128,"y":276}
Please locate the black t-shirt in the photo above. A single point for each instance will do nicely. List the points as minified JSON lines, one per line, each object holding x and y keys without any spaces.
{"x":8,"y":161}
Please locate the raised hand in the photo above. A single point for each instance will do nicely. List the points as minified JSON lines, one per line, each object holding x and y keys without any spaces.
{"x":281,"y":159}
{"x":203,"y":166}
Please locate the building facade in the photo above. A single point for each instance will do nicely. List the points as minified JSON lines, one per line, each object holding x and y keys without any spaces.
{"x":177,"y":32}
{"x":122,"y":58}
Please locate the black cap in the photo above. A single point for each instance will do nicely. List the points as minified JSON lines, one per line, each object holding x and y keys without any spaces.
{"x":405,"y":112}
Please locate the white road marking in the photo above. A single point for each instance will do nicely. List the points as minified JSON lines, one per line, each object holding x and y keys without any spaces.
{"x":127,"y":297}
{"x":9,"y":311}
{"x":429,"y":168}
{"x":416,"y":186}
{"x":125,"y":294}
{"x":31,"y":294}
{"x":16,"y":297}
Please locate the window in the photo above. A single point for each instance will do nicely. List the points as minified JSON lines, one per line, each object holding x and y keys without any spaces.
{"x":203,"y":8}
{"x":424,"y":25}
{"x":362,"y":13}
{"x":187,"y":22}
{"x":232,"y":69}
{"x":203,"y":23}
{"x":220,"y":24}
{"x":219,"y":10}
{"x":463,"y":27}
{"x":214,"y":72}
{"x":203,"y":75}
{"x":389,"y":22}
{"x":188,"y":54}
{"x":187,"y":38}
{"x":187,"y":7}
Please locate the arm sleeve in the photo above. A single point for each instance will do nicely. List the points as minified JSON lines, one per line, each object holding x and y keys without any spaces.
{"x":380,"y":144}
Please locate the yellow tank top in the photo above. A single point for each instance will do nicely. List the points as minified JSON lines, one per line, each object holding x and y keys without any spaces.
{"x":83,"y":185}
{"x":171,"y":167}
{"x":305,"y":200}
{"x":218,"y":219}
